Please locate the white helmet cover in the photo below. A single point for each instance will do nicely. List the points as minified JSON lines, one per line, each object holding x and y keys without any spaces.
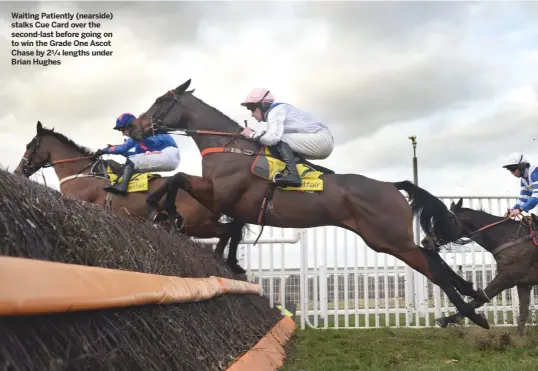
{"x":516,"y":158}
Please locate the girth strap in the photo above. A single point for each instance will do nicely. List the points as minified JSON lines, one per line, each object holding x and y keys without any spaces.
{"x":519,"y":241}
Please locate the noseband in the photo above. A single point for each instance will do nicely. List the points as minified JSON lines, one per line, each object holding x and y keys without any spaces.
{"x":28,"y":167}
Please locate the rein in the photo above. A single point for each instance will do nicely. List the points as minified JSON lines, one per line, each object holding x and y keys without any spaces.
{"x":188,"y":132}
{"x":72,"y":159}
{"x":533,"y":237}
{"x":49,"y":164}
{"x":486,"y":227}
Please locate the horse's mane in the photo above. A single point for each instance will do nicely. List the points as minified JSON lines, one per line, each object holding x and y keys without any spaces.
{"x":215,"y":109}
{"x":65,"y":140}
{"x":481,"y":210}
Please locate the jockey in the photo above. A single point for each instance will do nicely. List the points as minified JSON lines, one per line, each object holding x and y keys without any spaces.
{"x":518,"y":165}
{"x":155,"y":153}
{"x":291,"y":130}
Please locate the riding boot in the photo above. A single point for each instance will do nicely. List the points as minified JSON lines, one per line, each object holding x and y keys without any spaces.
{"x":121,"y":188}
{"x":292,"y":179}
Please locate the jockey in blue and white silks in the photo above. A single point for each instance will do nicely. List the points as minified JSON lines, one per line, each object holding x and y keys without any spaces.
{"x":155,"y":153}
{"x":518,"y":165}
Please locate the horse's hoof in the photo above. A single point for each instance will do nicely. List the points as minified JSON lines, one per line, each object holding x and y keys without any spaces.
{"x":480,"y":320}
{"x":179,"y":224}
{"x":483,"y":295}
{"x":442,"y":322}
{"x":153,"y":215}
{"x":160,"y":216}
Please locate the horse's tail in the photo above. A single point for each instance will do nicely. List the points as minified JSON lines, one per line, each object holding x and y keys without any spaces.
{"x":426,"y":206}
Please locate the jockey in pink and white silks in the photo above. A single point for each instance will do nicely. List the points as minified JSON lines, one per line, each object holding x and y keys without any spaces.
{"x":155,"y":153}
{"x":290,"y":130}
{"x":520,"y":167}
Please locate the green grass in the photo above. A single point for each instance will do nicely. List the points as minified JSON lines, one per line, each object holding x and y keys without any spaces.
{"x":456,"y":348}
{"x":384,"y":321}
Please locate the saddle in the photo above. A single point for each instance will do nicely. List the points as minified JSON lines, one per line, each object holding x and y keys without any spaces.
{"x":299,"y":160}
{"x":113,"y":171}
{"x":531,"y":221}
{"x":268,"y":163}
{"x":116,"y":167}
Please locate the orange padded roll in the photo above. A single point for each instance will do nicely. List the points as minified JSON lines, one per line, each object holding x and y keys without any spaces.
{"x":29,"y":286}
{"x":268,"y":354}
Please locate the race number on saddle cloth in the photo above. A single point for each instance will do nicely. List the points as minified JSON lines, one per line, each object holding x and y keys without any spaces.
{"x":521,"y":168}
{"x":290,"y":130}
{"x":155,"y":153}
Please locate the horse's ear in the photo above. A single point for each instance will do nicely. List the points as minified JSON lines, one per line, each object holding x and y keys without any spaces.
{"x":452,"y":206}
{"x":39,"y":127}
{"x":181,"y":88}
{"x":190,"y":91}
{"x":459,"y":204}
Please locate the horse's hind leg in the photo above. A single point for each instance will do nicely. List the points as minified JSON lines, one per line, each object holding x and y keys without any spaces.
{"x":422,"y":261}
{"x":461,"y":284}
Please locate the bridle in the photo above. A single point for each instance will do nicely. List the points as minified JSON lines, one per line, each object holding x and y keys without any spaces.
{"x":460,"y":228}
{"x":156,"y":124}
{"x":29,"y":168}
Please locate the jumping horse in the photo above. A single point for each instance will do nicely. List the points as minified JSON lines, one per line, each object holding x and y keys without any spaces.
{"x":83,"y":177}
{"x":513,"y":244}
{"x":375,"y":210}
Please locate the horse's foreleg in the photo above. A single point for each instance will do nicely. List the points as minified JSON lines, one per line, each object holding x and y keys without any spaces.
{"x":236,"y":232}
{"x":174,"y":215}
{"x":197,"y":187}
{"x":500,"y":282}
{"x":223,"y":241}
{"x":524,"y":293}
{"x":152,"y":201}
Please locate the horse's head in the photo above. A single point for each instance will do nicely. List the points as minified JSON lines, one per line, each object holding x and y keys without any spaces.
{"x":37,"y":155}
{"x":445,"y":228}
{"x":168,"y":111}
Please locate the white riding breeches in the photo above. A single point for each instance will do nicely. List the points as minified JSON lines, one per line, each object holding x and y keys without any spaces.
{"x":165,"y":160}
{"x":312,"y":146}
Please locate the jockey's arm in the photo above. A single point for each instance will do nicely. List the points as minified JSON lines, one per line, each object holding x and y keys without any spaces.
{"x":120,"y":149}
{"x":275,"y":127}
{"x":531,"y":199}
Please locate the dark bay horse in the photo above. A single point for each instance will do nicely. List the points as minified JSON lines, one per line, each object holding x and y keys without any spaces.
{"x":374,"y":210}
{"x":509,"y":241}
{"x":83,"y":178}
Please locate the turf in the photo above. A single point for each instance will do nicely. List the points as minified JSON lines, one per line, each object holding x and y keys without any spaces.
{"x":462,"y":348}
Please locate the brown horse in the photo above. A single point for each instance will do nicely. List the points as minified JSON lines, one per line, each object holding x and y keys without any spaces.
{"x":513,"y":244}
{"x":374,"y":210}
{"x":83,"y":178}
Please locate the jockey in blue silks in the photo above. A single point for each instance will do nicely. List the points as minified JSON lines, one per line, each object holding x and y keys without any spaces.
{"x":518,"y":165}
{"x":155,"y":153}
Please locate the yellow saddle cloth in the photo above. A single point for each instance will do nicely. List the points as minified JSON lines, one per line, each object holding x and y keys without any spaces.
{"x":266,"y":166}
{"x":139,"y":181}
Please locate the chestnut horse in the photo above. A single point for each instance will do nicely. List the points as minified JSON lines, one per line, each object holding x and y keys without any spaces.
{"x":374,"y":210}
{"x":83,"y":178}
